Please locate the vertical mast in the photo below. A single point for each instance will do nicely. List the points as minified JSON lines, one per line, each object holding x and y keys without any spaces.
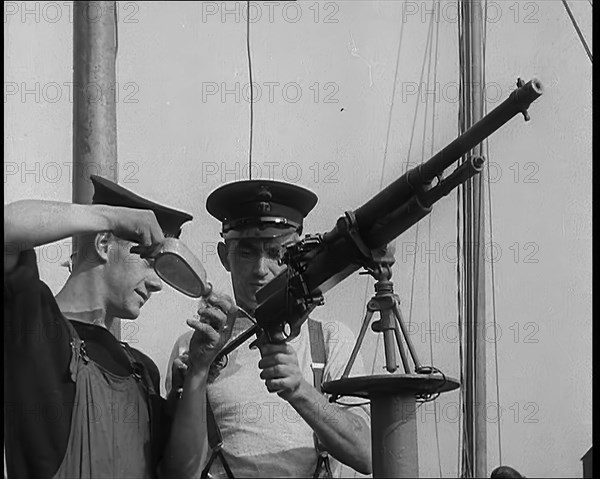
{"x":94,"y":102}
{"x":475,"y":451}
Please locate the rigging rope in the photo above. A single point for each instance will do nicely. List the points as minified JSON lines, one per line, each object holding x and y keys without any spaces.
{"x":251,"y":89}
{"x":492,"y":270}
{"x":437,"y":436}
{"x":412,"y":135}
{"x":459,"y":301}
{"x":578,"y":30}
{"x":464,"y":438}
{"x":115,"y":9}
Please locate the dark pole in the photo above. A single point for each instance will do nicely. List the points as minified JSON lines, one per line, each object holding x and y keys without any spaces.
{"x":94,"y":103}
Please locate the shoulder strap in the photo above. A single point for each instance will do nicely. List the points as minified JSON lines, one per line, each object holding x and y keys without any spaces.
{"x":215,"y":439}
{"x":318,"y":358}
{"x":215,"y":442}
{"x":71,"y":328}
{"x":317,"y":351}
{"x":78,"y":351}
{"x":139,"y":370}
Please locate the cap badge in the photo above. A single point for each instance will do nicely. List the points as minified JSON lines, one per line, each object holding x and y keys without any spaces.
{"x":264,"y":197}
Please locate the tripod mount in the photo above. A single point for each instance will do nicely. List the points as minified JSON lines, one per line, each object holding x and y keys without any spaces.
{"x":394,"y":395}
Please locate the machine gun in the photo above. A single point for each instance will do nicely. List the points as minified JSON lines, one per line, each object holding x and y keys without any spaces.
{"x":317,"y":263}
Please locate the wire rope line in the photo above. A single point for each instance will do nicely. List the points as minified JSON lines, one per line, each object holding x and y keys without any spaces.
{"x":391,"y":110}
{"x":435,"y":415}
{"x":412,"y":135}
{"x":459,"y":271}
{"x":578,"y":30}
{"x":492,"y":269}
{"x":116,"y":16}
{"x":251,"y":89}
{"x":465,"y":468}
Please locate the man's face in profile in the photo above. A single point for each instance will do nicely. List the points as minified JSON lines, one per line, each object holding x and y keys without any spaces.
{"x":130,"y":280}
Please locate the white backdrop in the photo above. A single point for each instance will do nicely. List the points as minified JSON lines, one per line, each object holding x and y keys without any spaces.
{"x":325,"y":72}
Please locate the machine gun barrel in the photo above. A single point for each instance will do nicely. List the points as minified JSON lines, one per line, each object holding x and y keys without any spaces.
{"x":409,"y":184}
{"x":380,"y":220}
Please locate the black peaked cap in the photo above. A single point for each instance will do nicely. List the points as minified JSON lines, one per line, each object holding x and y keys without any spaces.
{"x":107,"y":192}
{"x":260,"y":208}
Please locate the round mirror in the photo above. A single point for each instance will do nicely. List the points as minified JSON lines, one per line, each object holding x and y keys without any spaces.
{"x":177,"y":266}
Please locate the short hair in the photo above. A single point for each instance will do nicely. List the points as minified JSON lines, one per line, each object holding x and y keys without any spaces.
{"x":505,"y":472}
{"x":86,"y":248}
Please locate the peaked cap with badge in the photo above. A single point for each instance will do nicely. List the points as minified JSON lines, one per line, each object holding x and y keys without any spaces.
{"x":107,"y":192}
{"x":260,"y":208}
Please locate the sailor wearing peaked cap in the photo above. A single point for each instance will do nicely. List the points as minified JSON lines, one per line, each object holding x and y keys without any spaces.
{"x":260,"y":218}
{"x":260,"y":208}
{"x":84,"y":363}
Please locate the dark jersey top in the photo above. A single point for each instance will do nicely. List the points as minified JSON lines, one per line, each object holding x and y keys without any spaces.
{"x":38,"y":391}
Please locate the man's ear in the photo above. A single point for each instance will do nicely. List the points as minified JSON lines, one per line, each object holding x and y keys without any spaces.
{"x":223,"y":251}
{"x":101,"y":245}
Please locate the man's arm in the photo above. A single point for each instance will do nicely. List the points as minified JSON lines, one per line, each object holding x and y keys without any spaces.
{"x":188,"y":449}
{"x":344,"y":434}
{"x":176,"y":369}
{"x":31,"y":223}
